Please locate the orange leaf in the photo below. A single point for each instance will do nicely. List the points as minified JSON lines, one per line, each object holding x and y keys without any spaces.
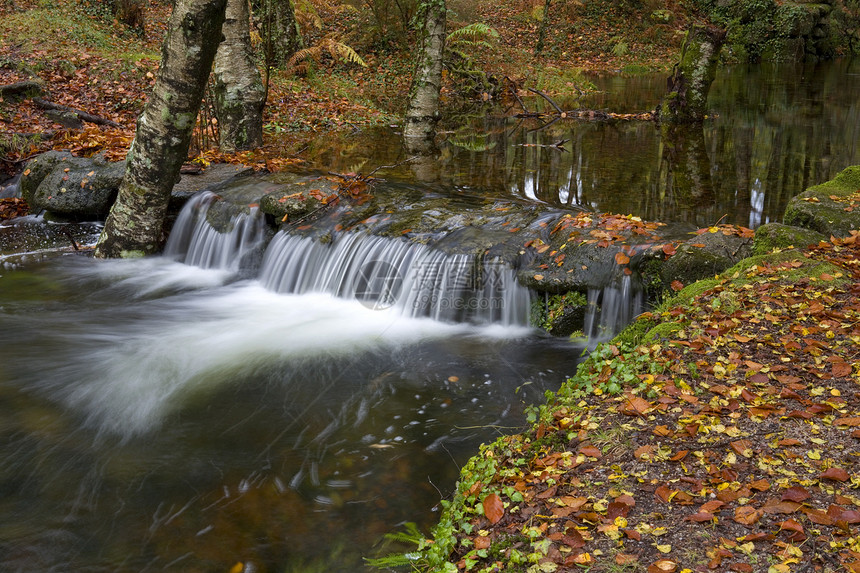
{"x":747,"y":515}
{"x":669,"y":249}
{"x":590,"y":451}
{"x":835,"y":474}
{"x":494,"y":509}
{"x":841,"y":369}
{"x":621,"y":258}
{"x":852,"y":421}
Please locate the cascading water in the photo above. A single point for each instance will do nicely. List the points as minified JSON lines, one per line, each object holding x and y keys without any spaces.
{"x":414,"y":279}
{"x":194,"y":241}
{"x":611,"y":308}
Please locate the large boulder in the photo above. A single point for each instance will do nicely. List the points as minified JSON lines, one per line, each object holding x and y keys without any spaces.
{"x":79,"y":188}
{"x":832,"y":208}
{"x":706,"y":255}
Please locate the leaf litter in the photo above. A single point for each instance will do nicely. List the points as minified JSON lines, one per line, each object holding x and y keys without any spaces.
{"x":732,"y":446}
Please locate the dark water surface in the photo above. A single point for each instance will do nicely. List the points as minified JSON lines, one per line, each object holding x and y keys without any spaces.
{"x":776,"y":130}
{"x":158,"y":416}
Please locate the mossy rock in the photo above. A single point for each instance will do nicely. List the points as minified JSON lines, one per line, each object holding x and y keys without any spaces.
{"x":77,"y":188}
{"x":778,"y":236}
{"x":289,"y":204}
{"x":584,"y":266}
{"x":832,"y":208}
{"x":705,"y":256}
{"x":39,"y":167}
{"x":560,"y":314}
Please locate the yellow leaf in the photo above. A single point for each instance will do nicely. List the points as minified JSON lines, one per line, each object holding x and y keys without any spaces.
{"x":664,"y":548}
{"x":814,"y":455}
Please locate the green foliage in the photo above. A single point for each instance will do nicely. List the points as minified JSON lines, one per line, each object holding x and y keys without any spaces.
{"x":476,"y":34}
{"x":846,"y":23}
{"x":301,"y":62}
{"x":545,"y":311}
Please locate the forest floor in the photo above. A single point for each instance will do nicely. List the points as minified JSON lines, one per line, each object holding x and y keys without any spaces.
{"x":720,"y":432}
{"x":90,"y":62}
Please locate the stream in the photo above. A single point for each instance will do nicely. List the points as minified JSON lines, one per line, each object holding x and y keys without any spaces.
{"x":181,"y":413}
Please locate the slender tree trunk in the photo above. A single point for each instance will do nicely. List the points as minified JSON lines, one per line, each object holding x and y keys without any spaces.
{"x":423,"y":111}
{"x":239,"y":91}
{"x":134,"y":226}
{"x":281,"y":37}
{"x":687,"y":94}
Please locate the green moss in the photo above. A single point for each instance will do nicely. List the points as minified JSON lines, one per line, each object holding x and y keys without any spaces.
{"x":823,"y":208}
{"x":778,"y":236}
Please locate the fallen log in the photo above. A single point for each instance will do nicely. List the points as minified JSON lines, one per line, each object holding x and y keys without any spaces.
{"x":45,"y":104}
{"x":22,"y":90}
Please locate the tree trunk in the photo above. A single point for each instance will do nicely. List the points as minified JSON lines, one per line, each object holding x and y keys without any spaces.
{"x":687,"y":94}
{"x":239,"y":91}
{"x":423,"y":111}
{"x":134,"y":226}
{"x":281,"y":37}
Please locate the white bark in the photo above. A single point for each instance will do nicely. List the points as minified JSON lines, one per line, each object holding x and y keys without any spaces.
{"x":423,"y":111}
{"x":239,"y":91}
{"x":134,"y":226}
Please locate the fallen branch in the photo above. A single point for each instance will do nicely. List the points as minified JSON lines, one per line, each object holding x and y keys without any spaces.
{"x":45,"y":104}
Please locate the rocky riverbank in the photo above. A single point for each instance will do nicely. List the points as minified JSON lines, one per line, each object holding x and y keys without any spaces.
{"x":717,"y":433}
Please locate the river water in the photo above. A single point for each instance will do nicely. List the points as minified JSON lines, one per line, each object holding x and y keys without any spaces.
{"x":163,"y":416}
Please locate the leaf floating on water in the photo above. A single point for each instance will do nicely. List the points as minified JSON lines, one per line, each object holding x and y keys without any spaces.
{"x":381,"y":446}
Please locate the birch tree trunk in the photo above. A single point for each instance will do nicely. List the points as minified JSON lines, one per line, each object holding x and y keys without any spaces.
{"x":239,"y":91}
{"x":422,"y":113}
{"x":134,"y":225}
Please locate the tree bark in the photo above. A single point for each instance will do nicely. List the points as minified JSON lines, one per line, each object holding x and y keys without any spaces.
{"x":687,"y":94}
{"x":422,"y":113}
{"x":281,"y":37}
{"x":134,"y":226}
{"x":239,"y":91}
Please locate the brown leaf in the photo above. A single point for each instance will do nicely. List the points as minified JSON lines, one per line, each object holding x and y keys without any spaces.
{"x":626,"y":559}
{"x":644,"y":452}
{"x":635,"y":405}
{"x":573,"y":538}
{"x":835,"y":474}
{"x":791,"y":525}
{"x":852,"y":421}
{"x":494,"y":509}
{"x":700,"y":517}
{"x":795,"y":493}
{"x":841,"y":370}
{"x":747,"y":515}
{"x":482,"y":542}
{"x":663,"y":566}
{"x":742,"y":448}
{"x":760,"y":485}
{"x":590,"y":451}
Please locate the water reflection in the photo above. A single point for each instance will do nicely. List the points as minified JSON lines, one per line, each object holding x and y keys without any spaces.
{"x":777,"y":130}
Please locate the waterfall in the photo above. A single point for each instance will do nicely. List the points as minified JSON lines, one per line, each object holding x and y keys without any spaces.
{"x":414,"y":279}
{"x":610,"y":309}
{"x":195,"y":242}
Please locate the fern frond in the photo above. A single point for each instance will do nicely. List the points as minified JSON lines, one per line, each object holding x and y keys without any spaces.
{"x":473,"y":32}
{"x":310,"y":53}
{"x":350,"y":55}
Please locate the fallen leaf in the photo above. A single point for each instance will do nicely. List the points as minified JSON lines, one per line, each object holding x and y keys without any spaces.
{"x":494,"y":509}
{"x":835,"y":474}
